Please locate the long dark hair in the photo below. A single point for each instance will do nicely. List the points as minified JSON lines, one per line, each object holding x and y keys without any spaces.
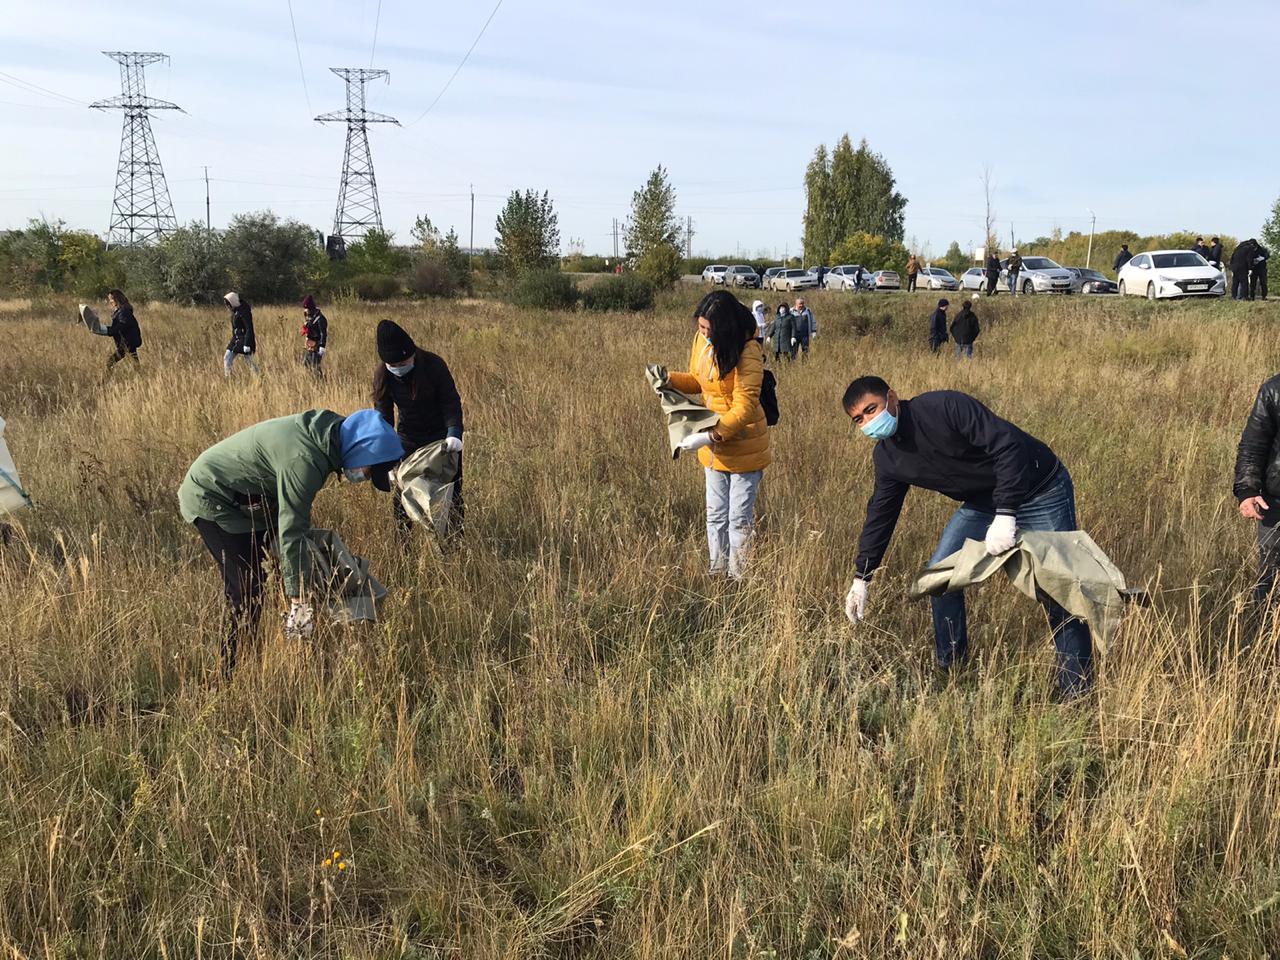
{"x":122,"y":302}
{"x":382,"y":378}
{"x":732,"y":325}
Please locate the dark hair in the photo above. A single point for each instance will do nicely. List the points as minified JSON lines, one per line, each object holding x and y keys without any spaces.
{"x":1214,"y":240}
{"x":863,"y":386}
{"x":732,"y":325}
{"x":382,"y":378}
{"x":119,"y":297}
{"x":784,"y":306}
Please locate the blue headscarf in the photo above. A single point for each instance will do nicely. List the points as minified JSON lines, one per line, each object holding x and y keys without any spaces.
{"x":367,"y":440}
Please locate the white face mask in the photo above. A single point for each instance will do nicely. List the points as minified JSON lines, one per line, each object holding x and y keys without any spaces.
{"x":402,"y":371}
{"x":359,"y":475}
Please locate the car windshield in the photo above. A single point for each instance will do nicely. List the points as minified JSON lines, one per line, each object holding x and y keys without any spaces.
{"x":939,"y":272}
{"x":1187,"y":259}
{"x":1092,"y":275}
{"x":1039,"y":263}
{"x":797,"y":273}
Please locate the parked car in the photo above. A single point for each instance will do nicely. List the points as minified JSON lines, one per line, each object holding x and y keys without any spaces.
{"x":1090,"y":281}
{"x":884,"y":280}
{"x":935,"y":278}
{"x":794,"y":279}
{"x":845,"y":277}
{"x":975,"y":278}
{"x":714,"y":273}
{"x":1171,"y":273}
{"x":1038,"y":275}
{"x":769,"y":274}
{"x":741,"y":276}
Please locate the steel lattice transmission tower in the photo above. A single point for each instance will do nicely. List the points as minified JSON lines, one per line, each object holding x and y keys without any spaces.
{"x":358,"y":211}
{"x":142,"y":210}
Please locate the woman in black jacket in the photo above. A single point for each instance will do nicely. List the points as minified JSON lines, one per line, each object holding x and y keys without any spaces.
{"x":315,"y":330}
{"x":243,"y":343}
{"x":415,"y":393}
{"x":123,"y":329}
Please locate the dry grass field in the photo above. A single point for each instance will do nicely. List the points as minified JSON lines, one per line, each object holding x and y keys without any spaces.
{"x":565,"y":741}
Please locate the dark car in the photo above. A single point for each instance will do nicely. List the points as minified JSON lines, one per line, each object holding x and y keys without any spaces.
{"x":1085,"y":280}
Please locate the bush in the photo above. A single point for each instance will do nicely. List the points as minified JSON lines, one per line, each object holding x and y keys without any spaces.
{"x":432,"y":277}
{"x":660,"y":266}
{"x":546,"y":290}
{"x":268,"y":259}
{"x":373,"y":286}
{"x":627,"y":291}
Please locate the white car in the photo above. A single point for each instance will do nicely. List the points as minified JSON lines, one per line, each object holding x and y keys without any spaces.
{"x":975,"y":278}
{"x":935,"y":278}
{"x":845,"y":277}
{"x":714,"y":273}
{"x":794,"y":279}
{"x":1171,"y":273}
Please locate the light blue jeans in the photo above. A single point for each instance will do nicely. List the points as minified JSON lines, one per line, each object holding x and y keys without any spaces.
{"x":731,"y":506}
{"x":1054,"y":508}
{"x":229,"y":358}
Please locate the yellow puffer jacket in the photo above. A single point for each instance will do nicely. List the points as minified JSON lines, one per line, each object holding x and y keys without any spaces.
{"x":743,"y":444}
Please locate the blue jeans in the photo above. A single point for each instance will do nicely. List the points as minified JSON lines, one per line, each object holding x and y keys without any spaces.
{"x":964,"y":350}
{"x":1013,"y":283}
{"x":1054,"y":508}
{"x":731,"y":506}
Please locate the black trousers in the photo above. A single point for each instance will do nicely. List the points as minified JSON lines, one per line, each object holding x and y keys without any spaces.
{"x":239,"y":558}
{"x":1258,"y":284}
{"x":119,"y":353}
{"x":992,"y":280}
{"x":1240,"y":285}
{"x":911,"y":282}
{"x":311,"y":360}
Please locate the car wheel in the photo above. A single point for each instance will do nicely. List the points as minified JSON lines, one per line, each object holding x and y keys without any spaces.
{"x":1151,"y":291}
{"x":1028,"y":288}
{"x":1120,"y":288}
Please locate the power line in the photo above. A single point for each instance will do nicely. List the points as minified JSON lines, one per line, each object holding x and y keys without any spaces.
{"x":461,"y":64}
{"x":298,"y":50}
{"x":28,"y":87}
{"x":376,"y":20}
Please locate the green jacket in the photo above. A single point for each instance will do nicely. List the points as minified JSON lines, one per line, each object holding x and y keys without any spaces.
{"x":264,"y":477}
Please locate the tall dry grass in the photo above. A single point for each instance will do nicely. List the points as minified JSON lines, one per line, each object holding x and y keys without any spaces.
{"x":564,"y":740}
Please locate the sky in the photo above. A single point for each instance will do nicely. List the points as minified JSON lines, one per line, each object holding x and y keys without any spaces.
{"x":1128,"y":110}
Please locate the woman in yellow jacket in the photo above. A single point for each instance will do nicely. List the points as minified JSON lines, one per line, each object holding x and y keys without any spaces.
{"x":726,"y":366}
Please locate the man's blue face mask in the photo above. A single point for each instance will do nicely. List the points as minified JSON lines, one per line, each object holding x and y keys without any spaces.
{"x":882,"y":426}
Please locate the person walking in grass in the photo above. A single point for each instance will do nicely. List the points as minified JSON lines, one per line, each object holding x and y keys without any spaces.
{"x":315,"y":333}
{"x":913,"y":271}
{"x":1256,"y":485}
{"x":1014,"y":267}
{"x":1003,"y":478}
{"x":784,"y":334}
{"x":414,"y":391}
{"x":805,"y":324}
{"x":123,"y":329}
{"x":938,"y":326}
{"x":965,"y":329}
{"x":243,"y":343}
{"x":763,"y":325}
{"x":726,"y":367}
{"x":258,"y":485}
{"x":993,"y":274}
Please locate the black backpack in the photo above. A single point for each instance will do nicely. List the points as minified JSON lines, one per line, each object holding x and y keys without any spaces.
{"x":769,"y":398}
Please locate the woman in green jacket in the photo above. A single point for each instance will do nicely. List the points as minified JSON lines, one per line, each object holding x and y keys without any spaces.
{"x":260,"y":483}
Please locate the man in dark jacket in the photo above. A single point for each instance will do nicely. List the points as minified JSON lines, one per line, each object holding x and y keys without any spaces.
{"x":1200,"y":248}
{"x":1123,"y":257}
{"x":1004,"y":479}
{"x":1241,"y":262}
{"x":993,"y":274}
{"x":965,"y":329}
{"x":1014,"y":267}
{"x":417,"y":385}
{"x":315,"y":331}
{"x":938,"y":326}
{"x":1258,"y":272}
{"x":1257,"y":483}
{"x":242,"y":343}
{"x":1215,"y":253}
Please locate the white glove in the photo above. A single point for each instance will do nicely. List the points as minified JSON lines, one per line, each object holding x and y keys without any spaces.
{"x":696,"y":441}
{"x":247,"y":351}
{"x":320,"y":351}
{"x":1002,"y":534}
{"x":300,"y":621}
{"x":793,"y":341}
{"x":855,"y":601}
{"x":453,"y":444}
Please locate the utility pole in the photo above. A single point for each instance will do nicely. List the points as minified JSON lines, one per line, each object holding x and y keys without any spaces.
{"x":358,"y":211}
{"x":615,"y":238}
{"x":471,"y":245}
{"x":141,"y":211}
{"x":688,"y":238}
{"x":208,"y":216}
{"x":1093,"y":222}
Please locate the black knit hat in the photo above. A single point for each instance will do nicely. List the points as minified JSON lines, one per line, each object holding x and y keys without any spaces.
{"x":944,"y":302}
{"x":394,"y":345}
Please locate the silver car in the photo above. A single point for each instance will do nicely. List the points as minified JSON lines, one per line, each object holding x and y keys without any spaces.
{"x":885,"y":280}
{"x":793,"y":279}
{"x":975,"y":278}
{"x":1038,"y":275}
{"x":713,"y":273}
{"x":741,"y":276}
{"x":845,"y":277}
{"x":935,"y":278}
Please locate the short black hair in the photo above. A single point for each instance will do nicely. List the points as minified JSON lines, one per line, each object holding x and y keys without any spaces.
{"x":861,"y":387}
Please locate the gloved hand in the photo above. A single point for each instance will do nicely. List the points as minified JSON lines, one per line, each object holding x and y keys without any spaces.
{"x":320,"y":351}
{"x":300,"y":621}
{"x":1002,"y":534}
{"x":855,"y":601}
{"x":696,"y":441}
{"x":247,"y":351}
{"x":453,"y":444}
{"x":793,"y":341}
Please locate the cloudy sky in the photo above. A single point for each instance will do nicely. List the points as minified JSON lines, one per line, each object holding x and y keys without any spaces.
{"x":1133,"y":110}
